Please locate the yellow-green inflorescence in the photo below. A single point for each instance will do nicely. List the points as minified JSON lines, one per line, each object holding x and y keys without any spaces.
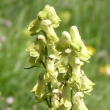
{"x":63,"y":83}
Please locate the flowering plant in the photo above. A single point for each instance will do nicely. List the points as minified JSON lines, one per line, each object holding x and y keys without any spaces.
{"x":63,"y":84}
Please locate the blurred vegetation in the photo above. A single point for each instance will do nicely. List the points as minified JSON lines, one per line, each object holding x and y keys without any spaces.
{"x":92,"y":19}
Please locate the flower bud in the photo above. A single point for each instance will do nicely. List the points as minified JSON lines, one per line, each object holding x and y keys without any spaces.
{"x":46,"y":26}
{"x":78,"y":101}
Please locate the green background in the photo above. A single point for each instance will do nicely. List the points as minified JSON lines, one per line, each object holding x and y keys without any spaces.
{"x":92,"y":17}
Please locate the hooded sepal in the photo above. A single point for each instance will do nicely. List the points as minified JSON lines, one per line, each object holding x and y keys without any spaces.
{"x":66,"y":96}
{"x":86,"y":84}
{"x":36,"y":49}
{"x":78,"y":102}
{"x":46,"y":26}
{"x":64,"y":42}
{"x":40,"y":88}
{"x":53,"y":17}
{"x":51,"y":73}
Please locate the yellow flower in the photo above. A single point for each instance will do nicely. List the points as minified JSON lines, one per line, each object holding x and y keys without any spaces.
{"x":53,"y":17}
{"x":64,"y":83}
{"x":36,"y":49}
{"x":36,"y":61}
{"x":43,"y":14}
{"x":62,"y":64}
{"x":65,"y":39}
{"x":46,"y":26}
{"x":86,"y":84}
{"x":91,"y":49}
{"x":78,"y":101}
{"x":34,"y":26}
{"x":81,"y":51}
{"x":74,"y":81}
{"x":56,"y":95}
{"x":51,"y":73}
{"x":66,"y":96}
{"x":40,"y":88}
{"x":47,"y":13}
{"x":105,"y":69}
{"x":84,"y":54}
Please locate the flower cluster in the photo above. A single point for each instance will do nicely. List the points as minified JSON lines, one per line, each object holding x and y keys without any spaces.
{"x":63,"y":84}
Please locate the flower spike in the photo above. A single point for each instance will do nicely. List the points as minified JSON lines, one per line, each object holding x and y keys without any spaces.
{"x":63,"y":83}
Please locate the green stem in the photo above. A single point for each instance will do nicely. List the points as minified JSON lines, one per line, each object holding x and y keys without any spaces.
{"x":50,"y":89}
{"x":47,"y":102}
{"x":71,"y":98}
{"x":30,"y":67}
{"x":46,"y":52}
{"x":43,"y":64}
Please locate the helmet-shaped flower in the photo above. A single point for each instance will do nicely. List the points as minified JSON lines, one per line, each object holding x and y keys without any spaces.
{"x":46,"y":26}
{"x":78,"y":101}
